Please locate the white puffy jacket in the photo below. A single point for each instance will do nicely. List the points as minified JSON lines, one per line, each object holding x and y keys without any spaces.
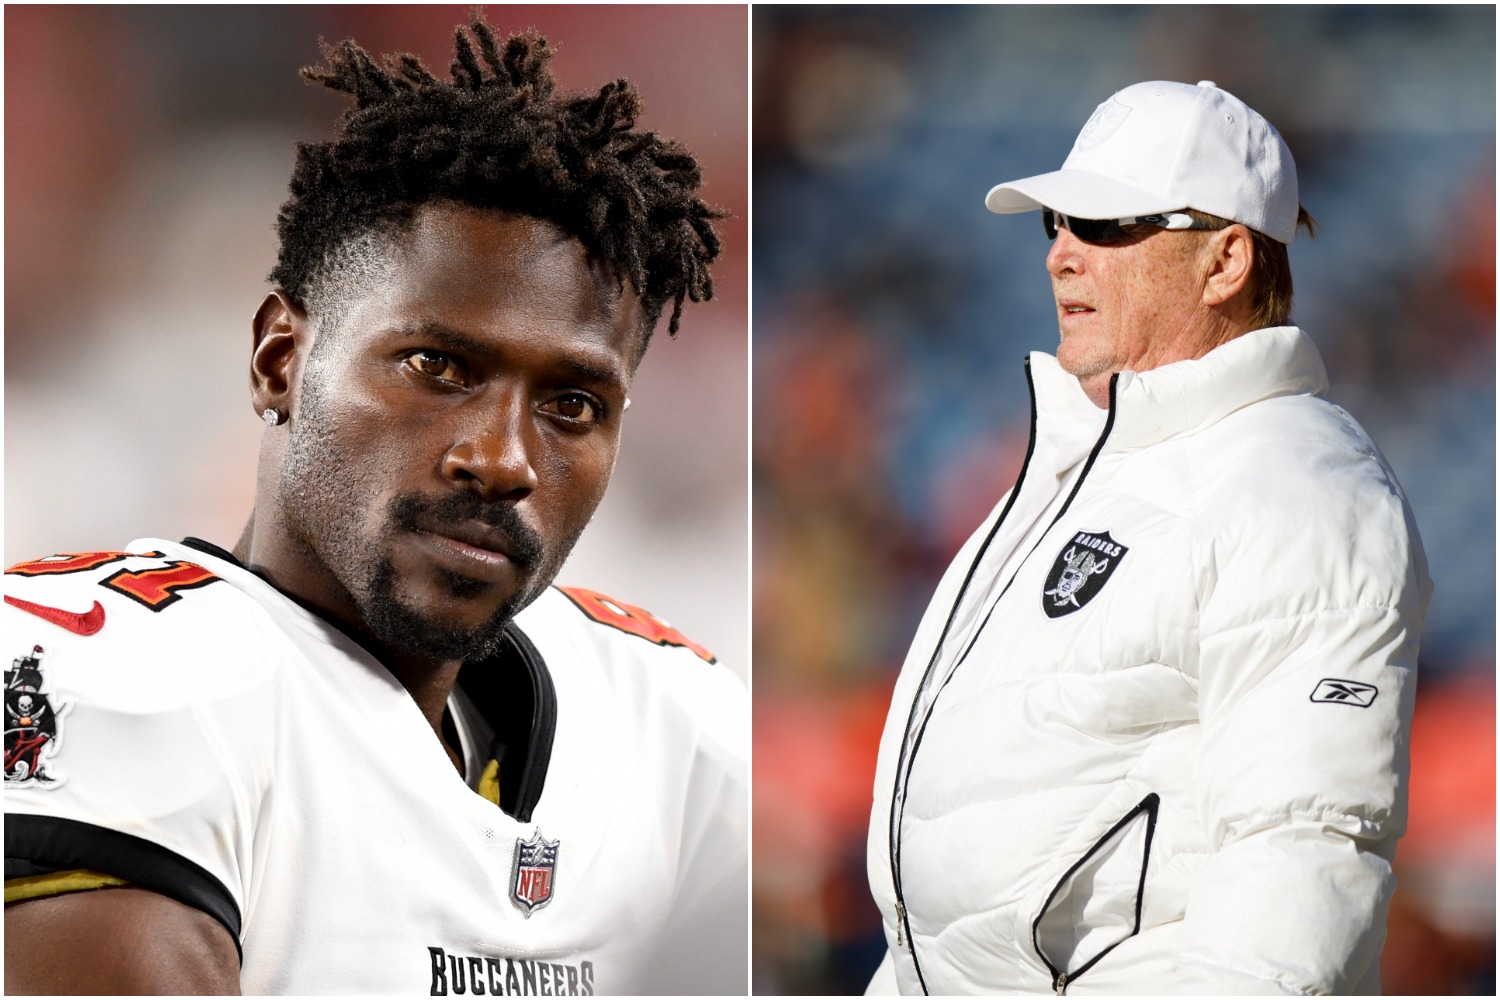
{"x":1171,"y":756}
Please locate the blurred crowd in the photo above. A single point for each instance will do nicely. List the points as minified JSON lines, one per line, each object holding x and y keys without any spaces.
{"x":148,"y":149}
{"x":891,"y":314}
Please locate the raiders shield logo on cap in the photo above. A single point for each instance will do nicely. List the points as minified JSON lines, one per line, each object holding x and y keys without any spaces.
{"x":532,"y":872}
{"x":1080,"y":571}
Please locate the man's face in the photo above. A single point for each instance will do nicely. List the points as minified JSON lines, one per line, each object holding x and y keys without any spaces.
{"x":1133,"y":304}
{"x":452,"y":436}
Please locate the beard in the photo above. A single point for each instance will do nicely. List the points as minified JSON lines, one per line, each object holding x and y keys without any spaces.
{"x":396,"y":623}
{"x":322,"y":486}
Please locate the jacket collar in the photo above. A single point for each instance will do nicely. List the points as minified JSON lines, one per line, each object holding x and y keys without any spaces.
{"x":1184,"y":397}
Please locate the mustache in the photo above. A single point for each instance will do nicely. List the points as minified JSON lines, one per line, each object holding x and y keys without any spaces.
{"x":523,"y":542}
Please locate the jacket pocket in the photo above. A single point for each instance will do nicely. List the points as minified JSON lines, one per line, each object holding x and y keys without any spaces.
{"x":1097,"y":903}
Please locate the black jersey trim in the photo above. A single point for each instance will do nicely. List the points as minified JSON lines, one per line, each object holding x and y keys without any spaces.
{"x":524,"y":726}
{"x":36,"y":845}
{"x":213,"y":550}
{"x":532,"y":777}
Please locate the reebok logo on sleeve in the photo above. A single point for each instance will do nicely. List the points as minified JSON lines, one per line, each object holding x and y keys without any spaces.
{"x":1342,"y":692}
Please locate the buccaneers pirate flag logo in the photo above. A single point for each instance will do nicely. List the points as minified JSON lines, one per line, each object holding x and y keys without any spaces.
{"x":31,"y":724}
{"x":1080,"y":571}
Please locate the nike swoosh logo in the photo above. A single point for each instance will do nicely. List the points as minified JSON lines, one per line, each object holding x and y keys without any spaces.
{"x":82,"y":622}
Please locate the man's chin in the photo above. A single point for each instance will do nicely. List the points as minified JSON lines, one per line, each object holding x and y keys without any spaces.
{"x":452,"y":619}
{"x":435,"y":639}
{"x":1082,"y":362}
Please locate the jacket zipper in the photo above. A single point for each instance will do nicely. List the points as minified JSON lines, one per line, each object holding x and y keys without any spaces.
{"x":898,"y":804}
{"x":905,"y":758}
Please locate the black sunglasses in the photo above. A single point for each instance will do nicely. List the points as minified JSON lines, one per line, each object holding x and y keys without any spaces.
{"x":1112,"y":230}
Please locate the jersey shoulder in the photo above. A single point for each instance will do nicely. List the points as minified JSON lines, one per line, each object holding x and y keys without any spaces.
{"x":629,"y":649}
{"x":148,"y":616}
{"x":606,"y":619}
{"x":141,"y":723}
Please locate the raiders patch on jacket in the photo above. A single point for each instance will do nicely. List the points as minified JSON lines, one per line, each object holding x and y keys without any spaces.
{"x":1080,"y":571}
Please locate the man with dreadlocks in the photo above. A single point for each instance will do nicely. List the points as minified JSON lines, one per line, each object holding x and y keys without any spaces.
{"x":372,"y":750}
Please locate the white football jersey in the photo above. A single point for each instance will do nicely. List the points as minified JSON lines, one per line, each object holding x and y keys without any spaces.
{"x":175,"y":723}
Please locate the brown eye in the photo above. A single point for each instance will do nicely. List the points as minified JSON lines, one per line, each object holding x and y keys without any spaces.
{"x":435,"y":364}
{"x":576,"y":407}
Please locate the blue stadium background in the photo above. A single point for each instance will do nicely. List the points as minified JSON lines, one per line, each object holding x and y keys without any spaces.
{"x":891,"y":313}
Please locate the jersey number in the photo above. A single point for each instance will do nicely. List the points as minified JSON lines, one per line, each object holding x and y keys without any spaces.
{"x":156,"y":588}
{"x":73,"y":562}
{"x":161,"y":587}
{"x":628,"y":618}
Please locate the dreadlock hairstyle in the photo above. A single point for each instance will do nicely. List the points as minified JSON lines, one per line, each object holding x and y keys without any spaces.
{"x":496,"y":137}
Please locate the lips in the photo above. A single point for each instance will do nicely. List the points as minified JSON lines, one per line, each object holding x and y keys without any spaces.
{"x":1073,"y":307}
{"x":486,"y":562}
{"x":486,"y":541}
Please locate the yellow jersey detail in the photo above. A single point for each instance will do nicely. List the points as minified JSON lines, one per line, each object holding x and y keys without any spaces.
{"x":489,"y":781}
{"x":57,"y":883}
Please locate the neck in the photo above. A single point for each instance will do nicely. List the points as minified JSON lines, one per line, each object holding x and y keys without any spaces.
{"x":429,"y":683}
{"x":429,"y":686}
{"x":1217,"y":330}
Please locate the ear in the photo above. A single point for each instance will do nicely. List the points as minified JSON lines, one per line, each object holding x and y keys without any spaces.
{"x":281,"y":334}
{"x":1230,"y":255}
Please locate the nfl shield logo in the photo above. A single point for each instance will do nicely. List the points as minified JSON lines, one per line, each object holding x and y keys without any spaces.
{"x":531,"y":875}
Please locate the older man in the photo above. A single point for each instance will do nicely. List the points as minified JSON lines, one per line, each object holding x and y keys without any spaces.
{"x":1151,"y":735}
{"x":372,"y":749}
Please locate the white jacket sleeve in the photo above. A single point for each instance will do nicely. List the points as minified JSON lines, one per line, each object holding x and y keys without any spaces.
{"x":1308,"y":648}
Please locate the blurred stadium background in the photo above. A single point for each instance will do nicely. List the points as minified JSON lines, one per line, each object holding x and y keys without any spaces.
{"x":147,"y":151}
{"x":891,"y":314}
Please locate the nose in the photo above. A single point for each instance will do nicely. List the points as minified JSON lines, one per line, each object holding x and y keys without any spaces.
{"x":1066,"y":255}
{"x":494,"y":450}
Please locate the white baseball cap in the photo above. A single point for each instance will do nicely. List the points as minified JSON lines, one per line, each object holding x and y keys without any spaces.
{"x":1160,"y":147}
